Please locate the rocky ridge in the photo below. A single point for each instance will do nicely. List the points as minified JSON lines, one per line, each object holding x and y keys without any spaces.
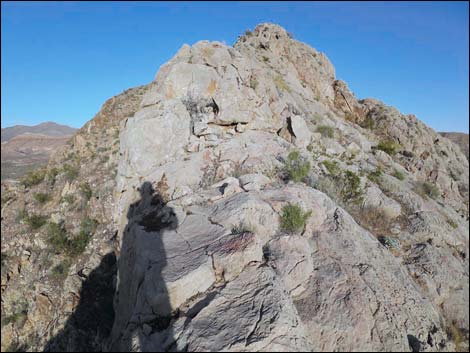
{"x":195,"y":214}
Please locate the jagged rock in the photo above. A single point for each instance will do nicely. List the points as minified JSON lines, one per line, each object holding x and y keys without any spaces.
{"x":192,"y":203}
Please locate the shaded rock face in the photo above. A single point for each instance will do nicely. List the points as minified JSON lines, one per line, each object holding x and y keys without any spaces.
{"x":460,"y":139}
{"x":197,"y":217}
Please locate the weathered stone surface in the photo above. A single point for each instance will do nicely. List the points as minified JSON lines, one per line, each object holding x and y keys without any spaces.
{"x":191,"y":203}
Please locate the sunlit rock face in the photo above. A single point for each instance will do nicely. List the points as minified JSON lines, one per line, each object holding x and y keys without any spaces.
{"x":253,"y":203}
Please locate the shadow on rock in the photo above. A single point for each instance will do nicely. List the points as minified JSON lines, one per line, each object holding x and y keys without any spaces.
{"x":92,"y":320}
{"x":143,"y":320}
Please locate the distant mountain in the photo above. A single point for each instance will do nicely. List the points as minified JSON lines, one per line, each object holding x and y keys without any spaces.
{"x":460,"y":139}
{"x":48,"y":128}
{"x":28,"y":147}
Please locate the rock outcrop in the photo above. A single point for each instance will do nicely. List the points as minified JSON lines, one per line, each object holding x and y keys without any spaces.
{"x":210,"y":154}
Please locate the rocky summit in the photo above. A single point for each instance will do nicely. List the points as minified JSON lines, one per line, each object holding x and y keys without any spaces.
{"x":244,"y":200}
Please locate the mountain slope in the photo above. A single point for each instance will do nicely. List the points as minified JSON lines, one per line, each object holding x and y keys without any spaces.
{"x":254,"y":204}
{"x":460,"y":139}
{"x":47,"y":128}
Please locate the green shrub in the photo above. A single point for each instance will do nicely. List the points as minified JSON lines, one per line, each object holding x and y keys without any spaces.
{"x":41,"y":197}
{"x":70,"y":199}
{"x":71,"y":172}
{"x":368,"y":123}
{"x":78,"y":243}
{"x":332,"y":167}
{"x":85,"y":188}
{"x":425,"y":189}
{"x":293,"y":218}
{"x":35,"y":221}
{"x":325,"y":131}
{"x":57,"y":237}
{"x":243,"y":228}
{"x":51,"y":175}
{"x":375,"y":175}
{"x":281,"y":84}
{"x":33,"y":177}
{"x":399,"y":175}
{"x":452,"y":223}
{"x":296,"y":167}
{"x":265,"y":59}
{"x":248,"y":33}
{"x":351,"y":190}
{"x":18,"y":318}
{"x":60,"y":271}
{"x":388,"y":146}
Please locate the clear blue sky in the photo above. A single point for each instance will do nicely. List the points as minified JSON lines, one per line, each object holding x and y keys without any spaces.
{"x":61,"y":61}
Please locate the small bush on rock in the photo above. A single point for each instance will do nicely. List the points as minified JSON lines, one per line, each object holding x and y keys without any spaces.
{"x":293,"y":218}
{"x":296,"y":167}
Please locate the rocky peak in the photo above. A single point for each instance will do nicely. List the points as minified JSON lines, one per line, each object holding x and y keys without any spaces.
{"x":253,"y":204}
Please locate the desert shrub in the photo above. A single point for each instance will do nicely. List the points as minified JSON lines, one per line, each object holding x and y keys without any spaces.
{"x":325,"y":131}
{"x":57,"y":237}
{"x":35,"y":221}
{"x":452,"y":223}
{"x":426,"y":189}
{"x":18,"y":318}
{"x":60,"y":271}
{"x":71,"y":172}
{"x":41,"y":197}
{"x":33,"y":177}
{"x":388,"y":146}
{"x":248,"y":33}
{"x":21,"y":215}
{"x":351,"y":189}
{"x":243,"y":228}
{"x":399,"y":175}
{"x":293,"y":218}
{"x":86,"y":191}
{"x":375,"y":175}
{"x":78,"y":243}
{"x":265,"y":59}
{"x":332,"y":167}
{"x":51,"y":175}
{"x":281,"y":84}
{"x":296,"y":167}
{"x":70,"y":199}
{"x":458,"y":336}
{"x":368,"y":123}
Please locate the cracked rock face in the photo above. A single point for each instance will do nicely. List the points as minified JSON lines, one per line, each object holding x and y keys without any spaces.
{"x":204,"y":259}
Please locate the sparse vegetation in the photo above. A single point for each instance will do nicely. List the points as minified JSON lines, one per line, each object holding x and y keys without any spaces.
{"x":60,"y":271}
{"x":51,"y":175}
{"x":293,"y":218}
{"x":351,"y":189}
{"x":452,"y":223}
{"x":426,"y":189}
{"x":18,"y":318}
{"x":332,"y":167}
{"x":375,"y":175}
{"x":296,"y":167}
{"x":248,"y":33}
{"x":265,"y":59}
{"x":243,"y":228}
{"x":388,"y":146}
{"x":368,"y":123}
{"x":458,"y":336}
{"x":70,"y":199}
{"x":42,"y":197}
{"x":326,"y":131}
{"x":72,"y":246}
{"x":399,"y":175}
{"x":281,"y":84}
{"x":86,"y":191}
{"x":33,"y":177}
{"x":35,"y":221}
{"x":71,"y":172}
